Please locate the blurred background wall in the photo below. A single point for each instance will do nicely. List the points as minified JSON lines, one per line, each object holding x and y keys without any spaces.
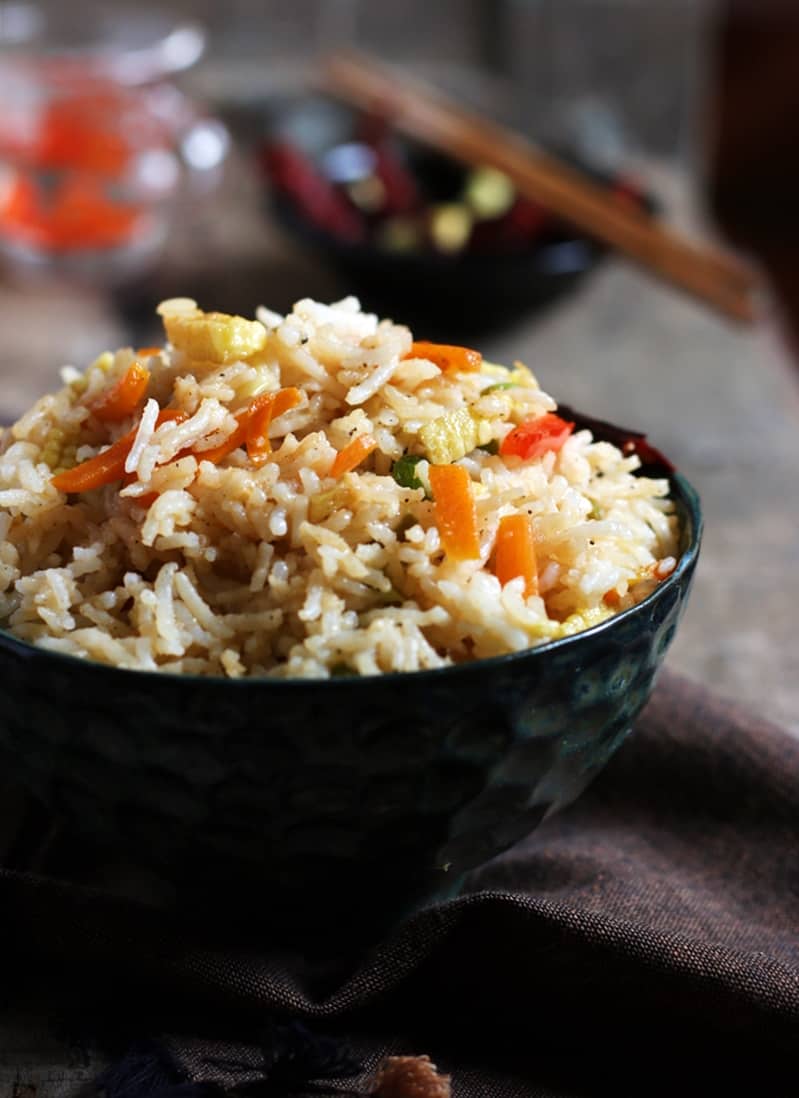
{"x":562,"y":62}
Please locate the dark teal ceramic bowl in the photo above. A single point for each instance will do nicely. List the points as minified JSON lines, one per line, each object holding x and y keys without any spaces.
{"x":344,"y":803}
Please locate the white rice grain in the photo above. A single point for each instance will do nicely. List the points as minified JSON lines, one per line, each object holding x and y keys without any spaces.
{"x":143,"y":436}
{"x":228,"y":566}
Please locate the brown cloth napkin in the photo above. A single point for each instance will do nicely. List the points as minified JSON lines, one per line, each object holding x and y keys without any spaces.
{"x":643,"y":942}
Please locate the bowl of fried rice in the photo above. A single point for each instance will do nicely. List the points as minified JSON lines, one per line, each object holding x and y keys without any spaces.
{"x":301,"y":610}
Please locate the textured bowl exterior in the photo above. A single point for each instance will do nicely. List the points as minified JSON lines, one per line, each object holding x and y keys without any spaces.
{"x":348,"y":800}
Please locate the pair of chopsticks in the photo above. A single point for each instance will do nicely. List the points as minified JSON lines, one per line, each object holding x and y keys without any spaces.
{"x":426,"y":115}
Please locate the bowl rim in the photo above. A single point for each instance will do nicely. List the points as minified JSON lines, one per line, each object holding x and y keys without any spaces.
{"x":682,"y":493}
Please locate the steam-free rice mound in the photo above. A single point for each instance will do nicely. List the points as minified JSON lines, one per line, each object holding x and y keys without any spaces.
{"x":313,"y":495}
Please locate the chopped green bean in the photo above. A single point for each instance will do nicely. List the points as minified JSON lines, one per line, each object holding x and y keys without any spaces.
{"x":500,"y":385}
{"x":404,"y":471}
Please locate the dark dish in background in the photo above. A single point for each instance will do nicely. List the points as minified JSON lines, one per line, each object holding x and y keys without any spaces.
{"x":421,"y":111}
{"x":412,"y":231}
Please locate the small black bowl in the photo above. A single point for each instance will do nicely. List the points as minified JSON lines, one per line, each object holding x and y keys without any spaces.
{"x":331,"y":807}
{"x":466,"y":293}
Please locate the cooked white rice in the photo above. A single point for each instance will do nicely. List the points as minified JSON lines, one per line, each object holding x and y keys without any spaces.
{"x":231,"y":569}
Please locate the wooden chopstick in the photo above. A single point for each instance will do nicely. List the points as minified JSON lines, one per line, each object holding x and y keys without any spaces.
{"x":423,"y":113}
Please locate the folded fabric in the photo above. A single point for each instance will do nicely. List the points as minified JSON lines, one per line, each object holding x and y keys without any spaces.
{"x":642,"y":942}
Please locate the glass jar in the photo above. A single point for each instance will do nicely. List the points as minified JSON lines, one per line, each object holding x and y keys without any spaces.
{"x":95,"y":142}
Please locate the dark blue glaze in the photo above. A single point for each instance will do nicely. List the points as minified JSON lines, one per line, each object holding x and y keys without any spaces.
{"x":342,"y":802}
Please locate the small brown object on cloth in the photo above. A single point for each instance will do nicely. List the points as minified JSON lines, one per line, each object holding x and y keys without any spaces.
{"x":410,"y":1077}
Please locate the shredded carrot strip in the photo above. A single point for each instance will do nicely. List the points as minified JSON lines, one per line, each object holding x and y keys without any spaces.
{"x":253,"y":427}
{"x":447,"y":357}
{"x":263,"y":409}
{"x":455,"y":511}
{"x":109,"y":465}
{"x":352,"y":455}
{"x":146,"y":500}
{"x":122,"y":399}
{"x":148,"y":352}
{"x":237,"y":438}
{"x":140,"y":501}
{"x":103,"y":468}
{"x":515,"y":553}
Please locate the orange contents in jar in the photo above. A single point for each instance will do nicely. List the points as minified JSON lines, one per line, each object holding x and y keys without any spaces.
{"x":64,"y":185}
